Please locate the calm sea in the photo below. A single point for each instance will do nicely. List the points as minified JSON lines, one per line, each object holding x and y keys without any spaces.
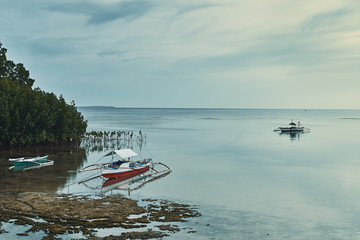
{"x":247,"y":181}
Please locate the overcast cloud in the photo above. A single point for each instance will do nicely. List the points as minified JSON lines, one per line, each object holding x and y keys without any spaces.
{"x":245,"y":54}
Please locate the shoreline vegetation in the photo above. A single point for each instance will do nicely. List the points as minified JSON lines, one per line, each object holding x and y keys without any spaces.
{"x":30,"y":116}
{"x":100,"y":140}
{"x":104,"y":136}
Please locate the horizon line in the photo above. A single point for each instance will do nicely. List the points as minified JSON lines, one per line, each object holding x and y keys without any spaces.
{"x":244,"y":108}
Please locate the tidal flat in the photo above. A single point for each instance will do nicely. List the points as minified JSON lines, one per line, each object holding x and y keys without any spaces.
{"x":61,"y":214}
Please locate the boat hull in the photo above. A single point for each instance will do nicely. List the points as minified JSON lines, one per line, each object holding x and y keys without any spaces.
{"x":124,"y":173}
{"x":291,"y":129}
{"x":29,"y":166}
{"x":30,"y":162}
{"x":121,"y":183}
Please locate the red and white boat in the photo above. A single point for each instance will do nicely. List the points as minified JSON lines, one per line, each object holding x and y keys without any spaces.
{"x":122,"y":170}
{"x":125,"y":167}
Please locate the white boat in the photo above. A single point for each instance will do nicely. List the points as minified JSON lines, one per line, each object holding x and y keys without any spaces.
{"x":293,"y":127}
{"x":125,"y":167}
{"x":28,"y":161}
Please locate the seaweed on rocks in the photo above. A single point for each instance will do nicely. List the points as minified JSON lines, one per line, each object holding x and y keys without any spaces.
{"x":59,"y":214}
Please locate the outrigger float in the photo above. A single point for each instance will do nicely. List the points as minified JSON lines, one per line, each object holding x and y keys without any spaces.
{"x":126,"y":167}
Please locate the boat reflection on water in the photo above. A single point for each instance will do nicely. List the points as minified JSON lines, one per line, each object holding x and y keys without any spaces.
{"x":130,"y":184}
{"x":32,"y":165}
{"x":292,"y":135}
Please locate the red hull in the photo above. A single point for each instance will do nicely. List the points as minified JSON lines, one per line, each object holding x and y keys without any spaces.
{"x":112,"y":181}
{"x":128,"y":174}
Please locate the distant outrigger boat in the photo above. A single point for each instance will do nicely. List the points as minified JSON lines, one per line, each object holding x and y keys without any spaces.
{"x":293,"y":127}
{"x":29,"y":161}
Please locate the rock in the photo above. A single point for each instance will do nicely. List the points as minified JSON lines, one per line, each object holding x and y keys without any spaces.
{"x":57,"y":214}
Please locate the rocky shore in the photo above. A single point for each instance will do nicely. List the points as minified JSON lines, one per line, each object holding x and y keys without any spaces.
{"x":59,"y":214}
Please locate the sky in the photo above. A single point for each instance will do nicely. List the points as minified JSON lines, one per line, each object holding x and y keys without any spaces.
{"x":211,"y":54}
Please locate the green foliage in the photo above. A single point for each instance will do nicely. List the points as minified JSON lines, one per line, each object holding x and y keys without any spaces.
{"x":15,"y":72}
{"x":29,"y":115}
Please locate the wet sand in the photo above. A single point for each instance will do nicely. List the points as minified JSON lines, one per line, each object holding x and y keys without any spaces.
{"x":59,"y":214}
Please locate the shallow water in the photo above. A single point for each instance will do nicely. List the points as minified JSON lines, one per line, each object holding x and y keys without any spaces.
{"x":247,"y":181}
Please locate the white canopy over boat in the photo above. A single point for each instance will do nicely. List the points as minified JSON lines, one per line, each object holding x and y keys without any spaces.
{"x":123,"y":153}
